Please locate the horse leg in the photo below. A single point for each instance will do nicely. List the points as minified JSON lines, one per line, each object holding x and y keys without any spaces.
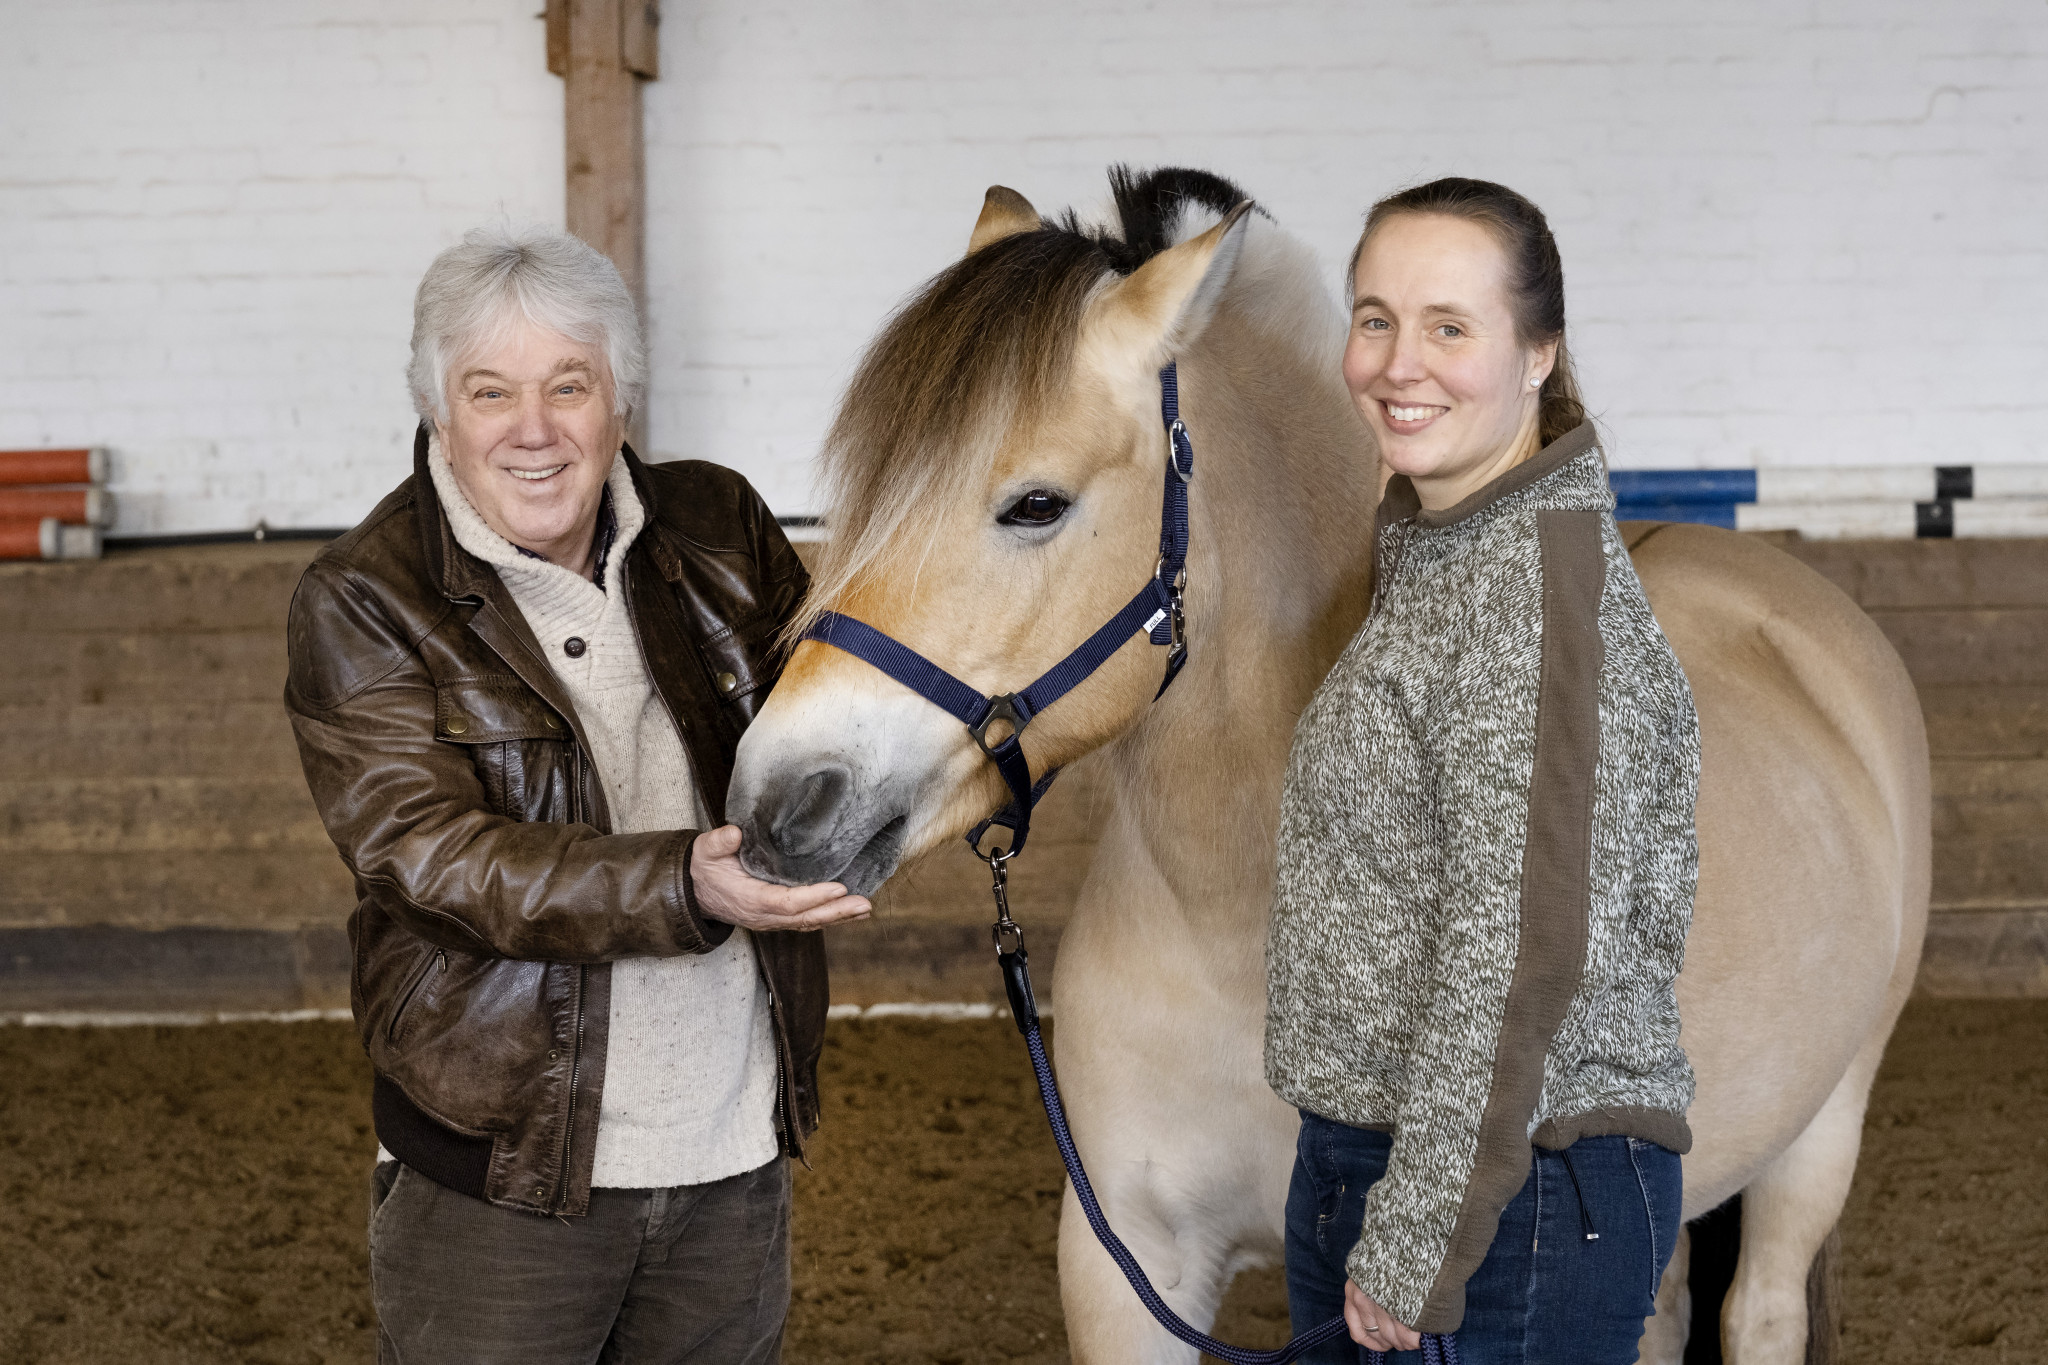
{"x":1665,"y":1334}
{"x":1106,"y":1325}
{"x":1788,"y":1213}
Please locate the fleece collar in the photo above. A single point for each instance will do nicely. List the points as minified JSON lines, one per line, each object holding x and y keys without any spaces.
{"x":1400,"y":501}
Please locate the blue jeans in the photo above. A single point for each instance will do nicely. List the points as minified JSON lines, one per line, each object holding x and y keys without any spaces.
{"x":1544,"y":1295}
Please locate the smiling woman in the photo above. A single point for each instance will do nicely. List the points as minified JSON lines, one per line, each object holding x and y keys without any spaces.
{"x":1457,"y":357}
{"x":1487,"y":854}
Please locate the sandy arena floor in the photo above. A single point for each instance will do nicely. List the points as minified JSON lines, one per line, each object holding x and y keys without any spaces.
{"x":198,"y":1195}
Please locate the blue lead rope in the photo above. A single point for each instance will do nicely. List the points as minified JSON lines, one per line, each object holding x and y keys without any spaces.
{"x":1156,"y":610}
{"x":1015,"y":964}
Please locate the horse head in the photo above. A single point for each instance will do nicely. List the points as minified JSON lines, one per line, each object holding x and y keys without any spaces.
{"x":994,"y":479}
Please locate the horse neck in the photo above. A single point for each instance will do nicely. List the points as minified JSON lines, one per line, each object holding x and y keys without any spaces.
{"x":1278,"y":578}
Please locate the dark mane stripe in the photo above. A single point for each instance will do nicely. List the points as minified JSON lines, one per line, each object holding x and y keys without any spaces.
{"x":1150,"y":208}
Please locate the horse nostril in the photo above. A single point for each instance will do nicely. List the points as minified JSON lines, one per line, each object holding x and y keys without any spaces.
{"x":806,"y":819}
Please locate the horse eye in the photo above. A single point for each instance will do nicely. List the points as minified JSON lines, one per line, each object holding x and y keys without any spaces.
{"x":1039,"y":507}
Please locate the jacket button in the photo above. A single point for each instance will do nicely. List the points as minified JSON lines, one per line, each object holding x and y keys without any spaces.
{"x":552,"y":723}
{"x":458,"y":725}
{"x":573,"y":646}
{"x":727,"y":682}
{"x":538,"y":1192}
{"x":554,"y":1055}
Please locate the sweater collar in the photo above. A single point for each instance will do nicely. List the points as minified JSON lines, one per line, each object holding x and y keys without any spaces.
{"x":469,"y":544}
{"x":1400,"y":501}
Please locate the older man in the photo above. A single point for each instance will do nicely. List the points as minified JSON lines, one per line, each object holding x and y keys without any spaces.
{"x":517,"y":687}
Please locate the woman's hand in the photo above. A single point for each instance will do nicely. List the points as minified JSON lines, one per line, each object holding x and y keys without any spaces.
{"x":726,"y":892}
{"x":1372,"y":1326}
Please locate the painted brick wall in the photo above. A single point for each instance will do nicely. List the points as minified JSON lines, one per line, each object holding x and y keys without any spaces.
{"x":1795,"y":233}
{"x":213,"y":214}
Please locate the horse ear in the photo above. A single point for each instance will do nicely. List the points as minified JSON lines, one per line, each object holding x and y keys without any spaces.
{"x":1165,"y":303}
{"x":1004,"y":213}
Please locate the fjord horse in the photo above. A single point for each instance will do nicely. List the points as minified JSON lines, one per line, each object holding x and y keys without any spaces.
{"x":994,"y":480}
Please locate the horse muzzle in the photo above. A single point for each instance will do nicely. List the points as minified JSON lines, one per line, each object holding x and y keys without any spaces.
{"x":819,"y":802}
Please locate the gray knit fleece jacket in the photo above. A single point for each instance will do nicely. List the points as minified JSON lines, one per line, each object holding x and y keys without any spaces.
{"x":1486,"y":868}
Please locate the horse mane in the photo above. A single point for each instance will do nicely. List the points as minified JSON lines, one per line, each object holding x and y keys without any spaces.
{"x":985,"y":347}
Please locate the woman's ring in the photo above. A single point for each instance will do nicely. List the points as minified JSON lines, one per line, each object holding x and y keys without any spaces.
{"x":1372,"y":1329}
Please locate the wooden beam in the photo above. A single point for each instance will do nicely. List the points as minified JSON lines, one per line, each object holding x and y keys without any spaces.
{"x":603,"y":49}
{"x":639,"y":37}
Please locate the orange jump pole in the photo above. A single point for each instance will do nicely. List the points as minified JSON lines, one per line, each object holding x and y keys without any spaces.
{"x":48,"y":538}
{"x":79,"y":506}
{"x":53,"y":466}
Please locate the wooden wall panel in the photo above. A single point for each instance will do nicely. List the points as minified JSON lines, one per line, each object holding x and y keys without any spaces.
{"x":153,"y":785}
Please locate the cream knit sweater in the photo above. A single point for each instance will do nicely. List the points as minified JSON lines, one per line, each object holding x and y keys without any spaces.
{"x":689,"y":1084}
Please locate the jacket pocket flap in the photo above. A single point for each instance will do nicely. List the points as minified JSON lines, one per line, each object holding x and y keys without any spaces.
{"x":493,"y":712}
{"x":740,"y":657}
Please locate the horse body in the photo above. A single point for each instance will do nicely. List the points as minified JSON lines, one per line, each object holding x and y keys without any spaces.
{"x":1812,"y":816}
{"x":1814,"y":874}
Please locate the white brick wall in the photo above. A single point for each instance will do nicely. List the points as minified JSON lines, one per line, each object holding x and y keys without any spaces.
{"x":1795,"y":233}
{"x":212,"y":217}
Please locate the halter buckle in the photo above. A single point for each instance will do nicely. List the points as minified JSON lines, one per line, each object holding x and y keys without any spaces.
{"x":1176,"y":438}
{"x":1007,"y":707}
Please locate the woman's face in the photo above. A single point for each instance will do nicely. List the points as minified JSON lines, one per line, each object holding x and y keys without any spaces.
{"x":1434,"y":362}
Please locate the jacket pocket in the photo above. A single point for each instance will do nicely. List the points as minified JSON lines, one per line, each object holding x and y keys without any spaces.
{"x":523,"y":748}
{"x":435,"y":964}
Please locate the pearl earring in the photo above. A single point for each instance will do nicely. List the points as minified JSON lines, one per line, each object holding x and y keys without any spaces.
{"x":1537,"y":382}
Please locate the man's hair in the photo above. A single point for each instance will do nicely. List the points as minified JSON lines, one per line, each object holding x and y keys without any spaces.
{"x":473,"y":292}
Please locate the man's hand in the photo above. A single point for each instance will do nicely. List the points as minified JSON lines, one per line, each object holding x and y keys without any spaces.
{"x":1372,"y":1326}
{"x":726,"y":892}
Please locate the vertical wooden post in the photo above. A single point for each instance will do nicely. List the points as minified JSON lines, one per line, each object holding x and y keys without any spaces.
{"x":603,"y":49}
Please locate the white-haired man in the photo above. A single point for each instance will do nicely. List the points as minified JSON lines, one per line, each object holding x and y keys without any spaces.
{"x":517,"y":687}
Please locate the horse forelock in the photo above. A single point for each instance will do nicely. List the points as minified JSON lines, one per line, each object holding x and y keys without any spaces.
{"x":984,"y":350}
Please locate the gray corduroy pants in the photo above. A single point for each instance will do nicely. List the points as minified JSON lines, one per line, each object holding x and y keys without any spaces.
{"x":697,"y":1273}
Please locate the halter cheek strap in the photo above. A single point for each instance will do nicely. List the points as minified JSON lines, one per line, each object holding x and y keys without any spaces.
{"x":1156,"y":610}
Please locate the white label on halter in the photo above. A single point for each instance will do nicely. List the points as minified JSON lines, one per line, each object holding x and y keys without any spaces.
{"x":1153,"y":624}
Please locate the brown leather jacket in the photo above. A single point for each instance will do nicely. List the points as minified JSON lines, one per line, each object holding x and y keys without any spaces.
{"x":455,"y":778}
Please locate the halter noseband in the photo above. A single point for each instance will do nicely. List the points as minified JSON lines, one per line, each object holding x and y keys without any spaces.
{"x":1156,"y":610}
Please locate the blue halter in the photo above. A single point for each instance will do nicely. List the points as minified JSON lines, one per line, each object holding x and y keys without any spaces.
{"x":1156,"y":610}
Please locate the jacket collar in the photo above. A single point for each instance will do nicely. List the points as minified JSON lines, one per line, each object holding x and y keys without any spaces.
{"x":1401,"y":502}
{"x":458,"y":574}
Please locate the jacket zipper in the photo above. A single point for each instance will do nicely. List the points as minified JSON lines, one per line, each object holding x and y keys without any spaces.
{"x":575,"y":1068}
{"x":438,"y":961}
{"x":785,"y":1120}
{"x":577,"y":814}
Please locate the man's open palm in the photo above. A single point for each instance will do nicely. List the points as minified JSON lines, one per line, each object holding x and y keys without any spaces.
{"x":725,"y":891}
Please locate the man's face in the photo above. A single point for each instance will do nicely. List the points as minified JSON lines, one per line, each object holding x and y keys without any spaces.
{"x":531,"y":435}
